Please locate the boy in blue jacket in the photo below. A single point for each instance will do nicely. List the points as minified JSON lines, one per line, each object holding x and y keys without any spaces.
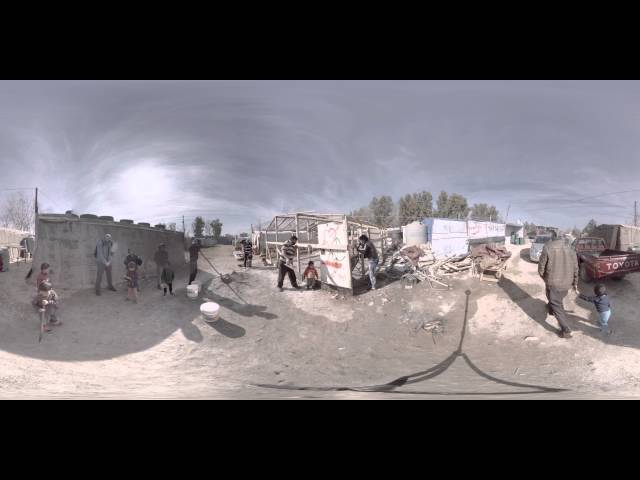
{"x":603,"y":306}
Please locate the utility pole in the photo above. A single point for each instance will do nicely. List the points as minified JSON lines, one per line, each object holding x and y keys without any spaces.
{"x":635,"y":213}
{"x":183,"y":229}
{"x":35,"y":228}
{"x":507,"y":218}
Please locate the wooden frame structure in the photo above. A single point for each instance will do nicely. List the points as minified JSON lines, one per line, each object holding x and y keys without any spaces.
{"x":306,"y":227}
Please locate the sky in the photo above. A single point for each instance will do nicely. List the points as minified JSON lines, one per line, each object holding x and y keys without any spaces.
{"x":550,"y":152}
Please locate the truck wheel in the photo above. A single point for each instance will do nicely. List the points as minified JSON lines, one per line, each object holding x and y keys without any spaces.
{"x":584,"y":274}
{"x":498,"y":274}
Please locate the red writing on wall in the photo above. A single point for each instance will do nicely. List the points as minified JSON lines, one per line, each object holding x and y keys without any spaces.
{"x":333,"y":264}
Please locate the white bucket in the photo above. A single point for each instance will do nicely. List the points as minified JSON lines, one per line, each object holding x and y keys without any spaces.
{"x":210,"y":311}
{"x":192,"y":291}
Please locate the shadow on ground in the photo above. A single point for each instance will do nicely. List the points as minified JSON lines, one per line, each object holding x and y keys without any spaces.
{"x":224,"y":292}
{"x":107,"y":326}
{"x":383,"y":280}
{"x":227,"y":329}
{"x":524,"y":255}
{"x":536,"y":310}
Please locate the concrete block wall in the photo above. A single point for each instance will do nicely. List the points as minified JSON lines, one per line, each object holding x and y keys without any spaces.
{"x":68,"y":245}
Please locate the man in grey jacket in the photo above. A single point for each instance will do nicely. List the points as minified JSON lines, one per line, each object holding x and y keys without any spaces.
{"x":104,"y":258}
{"x":559,"y":269}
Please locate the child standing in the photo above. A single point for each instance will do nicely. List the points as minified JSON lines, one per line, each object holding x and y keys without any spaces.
{"x":166,"y":278}
{"x":311,"y":275}
{"x":43,"y":275}
{"x":132,"y":282}
{"x":603,"y":306}
{"x":47,"y":303}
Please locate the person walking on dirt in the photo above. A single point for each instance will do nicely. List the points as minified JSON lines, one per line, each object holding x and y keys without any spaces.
{"x":167,"y":278}
{"x":104,"y":257}
{"x":285,"y":263}
{"x":603,"y":306}
{"x":558,"y":267}
{"x":161,"y":259}
{"x":247,"y":250}
{"x":369,"y":251}
{"x":194,"y":251}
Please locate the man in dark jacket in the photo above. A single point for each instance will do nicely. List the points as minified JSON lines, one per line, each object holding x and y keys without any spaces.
{"x":194,"y":251}
{"x":369,"y":251}
{"x":558,"y":267}
{"x":161,"y":259}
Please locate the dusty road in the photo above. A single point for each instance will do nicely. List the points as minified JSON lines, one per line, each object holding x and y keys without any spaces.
{"x":304,"y":344}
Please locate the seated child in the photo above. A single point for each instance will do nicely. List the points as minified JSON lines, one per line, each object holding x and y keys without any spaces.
{"x":47,"y":303}
{"x":311,"y":275}
{"x":167,"y":279}
{"x":132,"y":282}
{"x":603,"y":306}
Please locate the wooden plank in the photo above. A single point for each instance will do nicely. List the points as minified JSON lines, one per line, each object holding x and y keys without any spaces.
{"x":438,"y":282}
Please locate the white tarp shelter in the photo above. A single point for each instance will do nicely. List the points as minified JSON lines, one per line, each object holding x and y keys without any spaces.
{"x":485,"y":232}
{"x":453,"y":237}
{"x":447,"y":237}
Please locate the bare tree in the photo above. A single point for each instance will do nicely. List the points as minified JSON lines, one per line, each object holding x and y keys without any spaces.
{"x":5,"y":222}
{"x":172,"y":227}
{"x":18,"y":212}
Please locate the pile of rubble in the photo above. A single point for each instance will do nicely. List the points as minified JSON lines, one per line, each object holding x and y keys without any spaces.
{"x":487,"y":258}
{"x":418,"y":263}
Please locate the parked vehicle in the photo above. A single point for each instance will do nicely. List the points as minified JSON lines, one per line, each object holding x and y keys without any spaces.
{"x":597,"y":262}
{"x":569,"y":239}
{"x":536,"y":247}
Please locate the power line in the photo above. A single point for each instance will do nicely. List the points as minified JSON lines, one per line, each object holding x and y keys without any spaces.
{"x":590,"y":197}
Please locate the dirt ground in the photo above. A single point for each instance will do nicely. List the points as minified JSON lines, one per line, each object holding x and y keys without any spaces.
{"x":317,"y":344}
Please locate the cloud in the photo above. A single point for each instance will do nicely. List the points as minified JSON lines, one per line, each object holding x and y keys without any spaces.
{"x":243,"y":151}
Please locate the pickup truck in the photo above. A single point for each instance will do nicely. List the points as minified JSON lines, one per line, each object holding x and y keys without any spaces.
{"x":597,"y":262}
